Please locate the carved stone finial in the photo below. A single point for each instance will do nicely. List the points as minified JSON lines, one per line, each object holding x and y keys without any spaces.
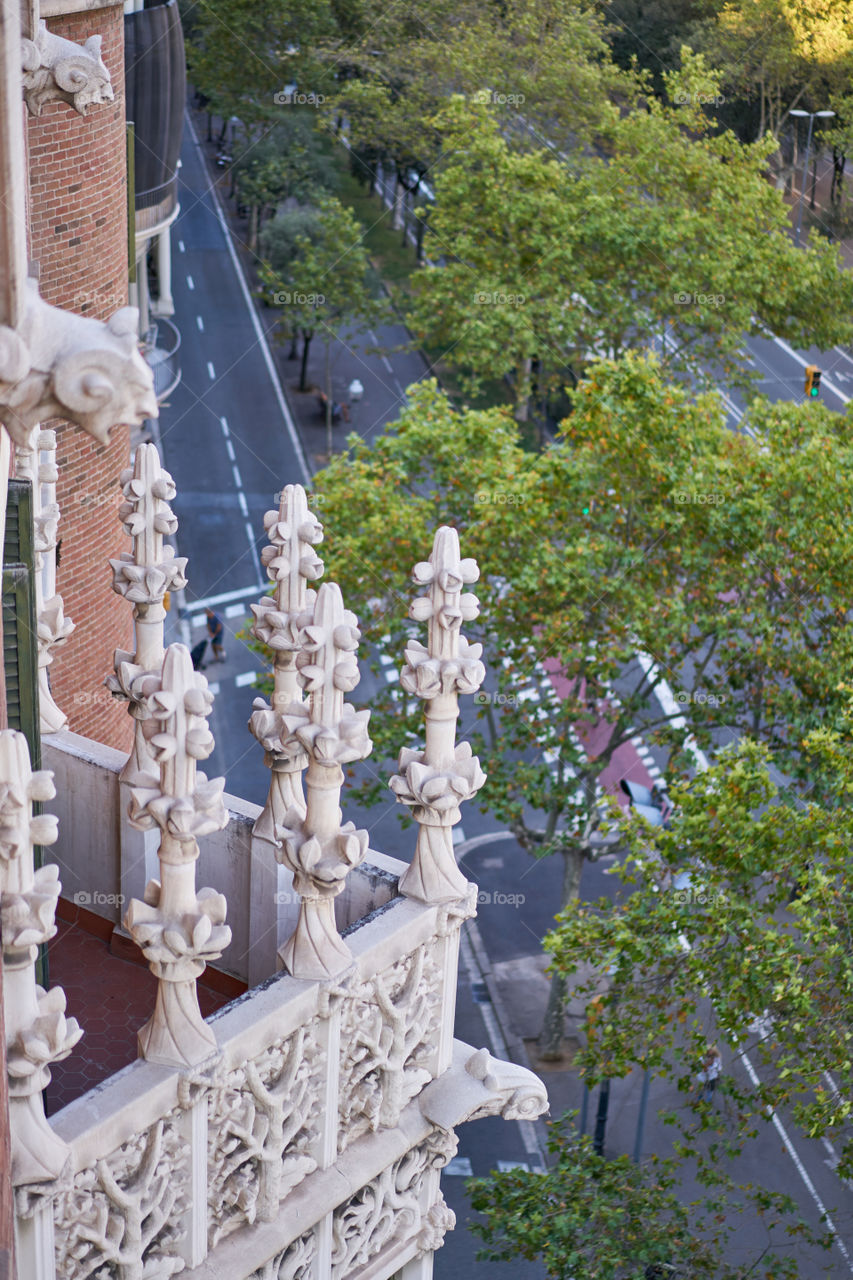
{"x":37,"y":1031}
{"x":143,"y":576}
{"x":290,"y":561}
{"x":178,"y":929}
{"x":435,"y":781}
{"x":317,"y":848}
{"x":57,"y":364}
{"x":37,"y":463}
{"x":57,"y":70}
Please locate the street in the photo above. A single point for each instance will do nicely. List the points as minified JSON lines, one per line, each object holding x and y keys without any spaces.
{"x":231,"y":442}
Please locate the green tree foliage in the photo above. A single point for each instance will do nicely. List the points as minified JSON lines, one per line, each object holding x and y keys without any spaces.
{"x":649,"y":528}
{"x":613,"y":1220}
{"x":316,"y":268}
{"x":674,"y":239}
{"x":290,"y":161}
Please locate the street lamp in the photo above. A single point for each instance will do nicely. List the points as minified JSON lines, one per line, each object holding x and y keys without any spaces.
{"x":820,"y":115}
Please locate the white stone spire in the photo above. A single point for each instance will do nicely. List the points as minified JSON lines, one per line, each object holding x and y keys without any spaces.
{"x":291,"y":562}
{"x":37,"y":1031}
{"x":434,"y":782}
{"x":317,"y":848}
{"x":178,"y":929}
{"x":143,"y":576}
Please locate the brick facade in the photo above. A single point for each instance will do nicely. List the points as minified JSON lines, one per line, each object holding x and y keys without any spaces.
{"x":78,"y":228}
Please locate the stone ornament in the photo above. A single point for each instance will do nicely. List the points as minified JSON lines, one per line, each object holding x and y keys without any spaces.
{"x":314,"y":845}
{"x":57,"y":70}
{"x":178,"y":929}
{"x":123,"y":1216}
{"x":143,"y":576}
{"x":434,"y":782}
{"x":486,"y":1087}
{"x":291,"y":562}
{"x":37,"y":463}
{"x":57,"y":364}
{"x":37,"y":1031}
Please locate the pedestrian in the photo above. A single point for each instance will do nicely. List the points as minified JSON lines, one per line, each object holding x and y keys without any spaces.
{"x":712,"y":1066}
{"x":216,"y":632}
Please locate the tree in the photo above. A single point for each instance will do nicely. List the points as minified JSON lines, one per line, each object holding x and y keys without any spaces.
{"x":649,"y":529}
{"x":288,"y":163}
{"x":673,"y":240}
{"x":752,"y":952}
{"x":614,"y":1220}
{"x":316,"y":266}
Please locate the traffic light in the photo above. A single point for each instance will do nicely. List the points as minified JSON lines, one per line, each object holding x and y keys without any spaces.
{"x":812,"y":381}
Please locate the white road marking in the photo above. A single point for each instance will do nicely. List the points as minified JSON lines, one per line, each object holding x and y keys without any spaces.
{"x":458,"y":835}
{"x":182,"y":246}
{"x":200,"y":324}
{"x":229,"y":449}
{"x":224,"y":424}
{"x":495,"y":863}
{"x":385,"y":659}
{"x":388,"y":365}
{"x":198,"y":620}
{"x":244,"y":506}
{"x":391,"y":676}
{"x":211,"y":372}
{"x":825,"y":382}
{"x":213,"y":687}
{"x":236,"y":610}
{"x":248,"y":677}
{"x":256,"y":324}
{"x":507,"y":1166}
{"x":190,"y":282}
{"x":235,"y":471}
{"x":458,"y":1167}
{"x":242,"y":594}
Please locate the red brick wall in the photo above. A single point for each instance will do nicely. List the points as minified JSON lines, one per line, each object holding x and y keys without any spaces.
{"x":78,"y":226}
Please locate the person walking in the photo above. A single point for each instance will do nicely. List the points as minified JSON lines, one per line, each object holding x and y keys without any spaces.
{"x":216,"y":632}
{"x":712,"y":1067}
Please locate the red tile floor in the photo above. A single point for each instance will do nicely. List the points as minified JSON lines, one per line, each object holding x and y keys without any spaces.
{"x":111,"y":998}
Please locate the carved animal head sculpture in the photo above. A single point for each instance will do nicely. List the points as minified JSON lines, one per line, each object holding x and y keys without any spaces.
{"x":57,"y":70}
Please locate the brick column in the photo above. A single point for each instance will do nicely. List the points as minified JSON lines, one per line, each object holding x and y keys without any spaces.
{"x":78,"y":236}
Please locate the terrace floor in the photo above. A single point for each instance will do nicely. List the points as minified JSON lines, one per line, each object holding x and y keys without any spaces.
{"x":111,"y":998}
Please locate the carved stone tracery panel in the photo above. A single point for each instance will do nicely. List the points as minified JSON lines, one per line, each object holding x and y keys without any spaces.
{"x":263,"y":1121}
{"x":389,"y":1212}
{"x":293,"y":1263}
{"x":389,"y":1029}
{"x":119,"y":1219}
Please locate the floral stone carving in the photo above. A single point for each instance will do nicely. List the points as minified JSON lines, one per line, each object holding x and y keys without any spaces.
{"x":318,"y":849}
{"x":143,"y":576}
{"x":57,"y":364}
{"x":434,"y":782}
{"x":290,"y":561}
{"x":292,"y":1263}
{"x":57,"y":70}
{"x":37,"y":1031}
{"x":389,"y":1210}
{"x":178,"y":929}
{"x":122,"y":1216}
{"x":389,"y":1029}
{"x":264,"y":1117}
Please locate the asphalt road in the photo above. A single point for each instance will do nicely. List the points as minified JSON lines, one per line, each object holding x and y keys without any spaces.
{"x":230,"y":442}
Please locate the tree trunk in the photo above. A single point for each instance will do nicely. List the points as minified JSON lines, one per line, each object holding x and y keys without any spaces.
{"x":551,"y":1036}
{"x":399,"y":197}
{"x":253,"y":228}
{"x":522,"y":390}
{"x":307,"y":335}
{"x":293,"y":353}
{"x":329,"y":437}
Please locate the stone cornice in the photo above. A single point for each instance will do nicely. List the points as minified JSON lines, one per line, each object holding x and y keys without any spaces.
{"x":59,"y":8}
